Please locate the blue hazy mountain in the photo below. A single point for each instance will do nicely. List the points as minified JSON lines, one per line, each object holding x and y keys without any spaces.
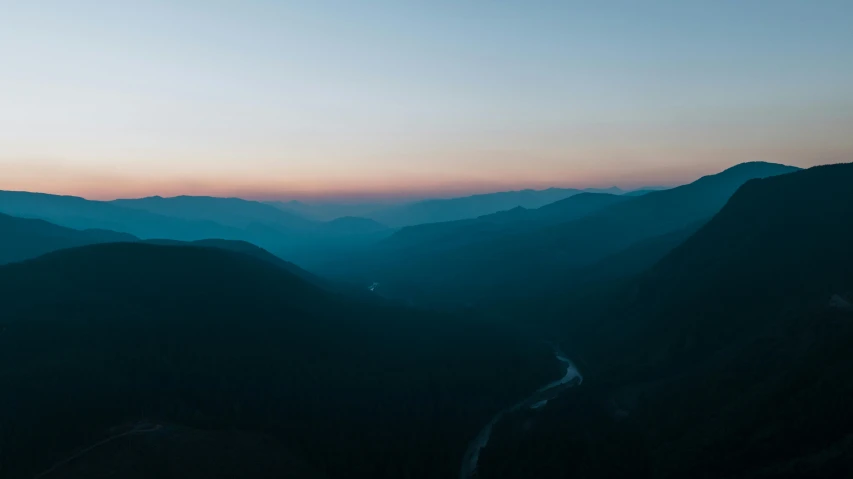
{"x":22,"y":238}
{"x":645,"y":190}
{"x":508,"y":264}
{"x":233,"y":212}
{"x":80,"y":213}
{"x":453,"y":234}
{"x":189,"y":218}
{"x":561,"y":211}
{"x":329,"y":210}
{"x":441,"y":210}
{"x":405,"y":213}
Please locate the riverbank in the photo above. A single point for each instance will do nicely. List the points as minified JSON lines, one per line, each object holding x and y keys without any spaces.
{"x":537,"y":400}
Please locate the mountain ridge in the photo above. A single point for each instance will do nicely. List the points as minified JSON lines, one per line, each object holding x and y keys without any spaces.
{"x":532,"y":259}
{"x":727,"y":358}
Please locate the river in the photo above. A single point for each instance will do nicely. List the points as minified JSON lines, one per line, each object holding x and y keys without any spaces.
{"x":535,"y":401}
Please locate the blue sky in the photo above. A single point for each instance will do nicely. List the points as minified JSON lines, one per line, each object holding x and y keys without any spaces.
{"x":404,"y":98}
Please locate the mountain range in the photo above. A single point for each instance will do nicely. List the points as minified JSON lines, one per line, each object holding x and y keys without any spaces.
{"x":441,"y":210}
{"x":474,"y":260}
{"x":24,"y":238}
{"x":712,"y":324}
{"x":728,"y":358}
{"x":107,"y":336}
{"x":188,"y":218}
{"x":289,"y":229}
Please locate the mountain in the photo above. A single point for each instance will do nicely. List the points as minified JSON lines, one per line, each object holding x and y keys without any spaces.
{"x":516,"y":264}
{"x":729,"y":358}
{"x":656,"y":213}
{"x":576,"y":207}
{"x":247,"y":249}
{"x":453,"y":234}
{"x":638,"y":257}
{"x":561,"y":211}
{"x":250,"y":216}
{"x":233,"y":212}
{"x":435,"y":211}
{"x":613,"y":190}
{"x":278,"y":230}
{"x":328,"y":210}
{"x":188,"y":218}
{"x":25,"y":238}
{"x":113,"y":341}
{"x":22,"y":238}
{"x":645,"y":190}
{"x":349,"y":225}
{"x":79,"y":213}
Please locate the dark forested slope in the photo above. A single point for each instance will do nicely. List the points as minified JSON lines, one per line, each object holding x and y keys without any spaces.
{"x":95,"y":337}
{"x":729,"y":358}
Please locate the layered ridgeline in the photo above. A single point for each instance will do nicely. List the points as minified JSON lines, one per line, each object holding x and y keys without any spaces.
{"x":187,"y":218}
{"x":173,"y":359}
{"x":22,"y":238}
{"x":301,"y":232}
{"x":434,"y":237}
{"x":443,"y":210}
{"x":251,"y":250}
{"x":729,"y":358}
{"x":453,"y":209}
{"x":472,"y":262}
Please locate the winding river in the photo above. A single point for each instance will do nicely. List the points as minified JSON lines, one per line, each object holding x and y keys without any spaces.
{"x":535,"y":401}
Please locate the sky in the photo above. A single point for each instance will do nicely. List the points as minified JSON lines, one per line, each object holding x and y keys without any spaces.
{"x":386,"y":99}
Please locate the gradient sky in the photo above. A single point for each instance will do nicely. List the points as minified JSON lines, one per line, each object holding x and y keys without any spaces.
{"x":281,"y":99}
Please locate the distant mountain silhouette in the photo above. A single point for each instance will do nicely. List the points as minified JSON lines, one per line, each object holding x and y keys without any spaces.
{"x":509,"y":264}
{"x":729,"y":358}
{"x":79,"y":213}
{"x":233,"y":212}
{"x":22,"y":238}
{"x":613,"y":190}
{"x":188,"y":218}
{"x":646,"y":190}
{"x":649,"y":215}
{"x":435,"y":211}
{"x":575,"y":207}
{"x":329,"y":210}
{"x":262,"y":223}
{"x":409,"y":213}
{"x":353,"y":225}
{"x":214,"y":340}
{"x":453,"y":234}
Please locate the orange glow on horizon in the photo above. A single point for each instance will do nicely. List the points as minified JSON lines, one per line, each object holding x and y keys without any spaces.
{"x":651,"y":168}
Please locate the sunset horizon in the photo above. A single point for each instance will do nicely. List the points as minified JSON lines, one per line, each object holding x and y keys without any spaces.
{"x":269,"y":100}
{"x":346,"y":239}
{"x":107,"y":188}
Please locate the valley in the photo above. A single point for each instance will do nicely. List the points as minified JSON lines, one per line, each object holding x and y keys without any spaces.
{"x":394,"y":377}
{"x":426,"y":240}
